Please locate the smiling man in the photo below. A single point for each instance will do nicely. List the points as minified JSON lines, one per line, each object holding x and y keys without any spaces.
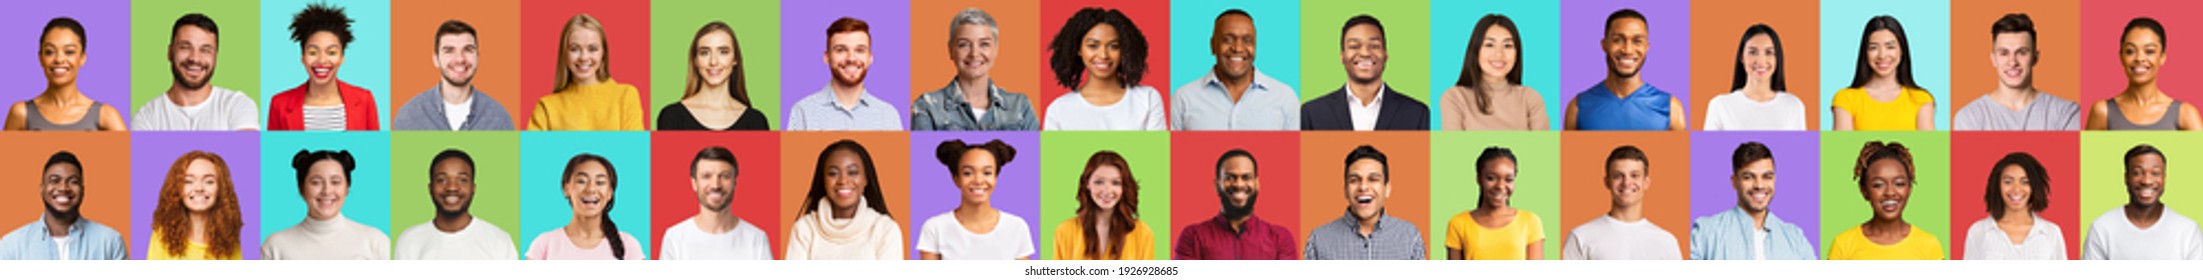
{"x":844,"y":104}
{"x":1235,"y":233}
{"x":1750,"y":231}
{"x":1623,"y":233}
{"x":1365,"y":102}
{"x":1234,"y":95}
{"x":63,"y":233}
{"x":715,"y":233}
{"x":454,"y":103}
{"x":1623,"y":101}
{"x":455,"y":234}
{"x":2016,"y":104}
{"x":1365,"y":232}
{"x":192,"y":102}
{"x":2143,"y":229}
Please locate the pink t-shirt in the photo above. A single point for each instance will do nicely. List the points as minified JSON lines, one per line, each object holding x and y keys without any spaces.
{"x":553,"y":245}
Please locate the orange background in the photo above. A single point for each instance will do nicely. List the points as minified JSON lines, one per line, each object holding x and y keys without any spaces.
{"x":626,"y":28}
{"x":1714,"y":34}
{"x":1323,"y":169}
{"x":1020,"y":42}
{"x":2057,"y":43}
{"x":497,"y":30}
{"x":106,"y":158}
{"x":1583,"y":194}
{"x":890,"y":155}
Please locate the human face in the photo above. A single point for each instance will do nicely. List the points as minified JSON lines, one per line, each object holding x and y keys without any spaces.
{"x":322,"y":54}
{"x":456,"y":58}
{"x":584,"y":54}
{"x":326,"y":188}
{"x":1106,"y":186}
{"x":845,"y":181}
{"x":1367,"y":187}
{"x":1100,"y":50}
{"x":1887,"y":188}
{"x":1627,"y":181}
{"x":975,"y":176}
{"x":200,"y":185}
{"x":2014,"y":184}
{"x":1233,"y":45}
{"x":2014,"y":59}
{"x":1755,"y":185}
{"x":715,"y":58}
{"x":191,"y":56}
{"x":1883,"y":53}
{"x":973,"y":50}
{"x":63,"y":188}
{"x":60,"y":54}
{"x":850,"y":56}
{"x":1496,"y":53}
{"x":589,"y":189}
{"x":1497,"y":182}
{"x":2145,"y":179}
{"x":1760,"y":59}
{"x":451,"y":186}
{"x":1237,"y":184}
{"x":1626,"y":43}
{"x":714,"y":184}
{"x":2141,"y":51}
{"x":1362,"y":50}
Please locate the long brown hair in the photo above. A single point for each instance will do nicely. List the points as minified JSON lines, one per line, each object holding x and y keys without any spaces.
{"x":737,"y":85}
{"x":1120,"y":220}
{"x":604,"y":65}
{"x":173,"y":221}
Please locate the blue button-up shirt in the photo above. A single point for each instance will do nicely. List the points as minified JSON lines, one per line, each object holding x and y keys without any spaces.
{"x":945,"y":109}
{"x":820,"y":111}
{"x":1205,"y":104}
{"x":87,"y":241}
{"x":1728,"y":236}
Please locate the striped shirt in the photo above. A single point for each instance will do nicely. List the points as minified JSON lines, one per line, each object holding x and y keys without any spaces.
{"x":1394,"y":239}
{"x":325,"y":118}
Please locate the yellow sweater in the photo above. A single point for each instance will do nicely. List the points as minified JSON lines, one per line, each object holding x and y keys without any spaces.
{"x":158,"y":250}
{"x":1139,"y":244}
{"x":610,"y":105}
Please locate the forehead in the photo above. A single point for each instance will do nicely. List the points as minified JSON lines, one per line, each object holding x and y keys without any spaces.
{"x":2139,"y":35}
{"x":1626,"y":26}
{"x":1365,"y":166}
{"x":61,"y":35}
{"x":1234,"y":21}
{"x":853,"y":37}
{"x":1364,"y":31}
{"x":1625,"y":164}
{"x":451,"y":163}
{"x":455,"y":39}
{"x":63,"y":168}
{"x":974,"y":156}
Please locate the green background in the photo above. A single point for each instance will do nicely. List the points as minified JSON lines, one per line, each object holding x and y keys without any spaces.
{"x":2103,"y":174}
{"x":1063,"y":156}
{"x":496,"y":179}
{"x":237,"y":67}
{"x":1453,"y":188}
{"x":1843,"y":208}
{"x":1407,"y":45}
{"x":756,"y":28}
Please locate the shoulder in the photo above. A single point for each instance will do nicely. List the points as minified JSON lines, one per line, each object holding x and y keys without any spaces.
{"x":1464,"y":219}
{"x":675,"y":108}
{"x":1012,"y":220}
{"x":1918,"y":95}
{"x":417,"y":230}
{"x":1067,"y":101}
{"x":941,"y":221}
{"x":553,"y":236}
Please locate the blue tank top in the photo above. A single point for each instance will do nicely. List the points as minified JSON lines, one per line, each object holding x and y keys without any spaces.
{"x":1598,"y":109}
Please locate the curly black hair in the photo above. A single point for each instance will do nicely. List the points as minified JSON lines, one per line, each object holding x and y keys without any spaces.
{"x":1064,"y":49}
{"x":321,"y":17}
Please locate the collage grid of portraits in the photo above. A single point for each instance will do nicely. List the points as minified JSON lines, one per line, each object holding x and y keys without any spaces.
{"x":1936,"y":122}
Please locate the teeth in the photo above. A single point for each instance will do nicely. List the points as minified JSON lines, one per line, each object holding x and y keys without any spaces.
{"x":1759,"y":196}
{"x":451,"y":199}
{"x":1364,"y":199}
{"x":2147,"y":192}
{"x":1889,"y":203}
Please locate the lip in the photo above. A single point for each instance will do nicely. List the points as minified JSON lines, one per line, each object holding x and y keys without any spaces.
{"x":592,"y":201}
{"x":62,"y":70}
{"x":1497,"y":64}
{"x":322,"y":71}
{"x":2139,"y":69}
{"x":1890,"y":205}
{"x":1365,"y":200}
{"x":845,"y":192}
{"x":63,"y":198}
{"x":2011,"y":72}
{"x":451,"y":199}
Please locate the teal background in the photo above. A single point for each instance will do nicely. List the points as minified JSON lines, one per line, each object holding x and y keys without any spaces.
{"x":1927,"y":29}
{"x":369,"y":201}
{"x":366,"y":60}
{"x":1539,"y":23}
{"x":1277,"y":39}
{"x":543,"y":205}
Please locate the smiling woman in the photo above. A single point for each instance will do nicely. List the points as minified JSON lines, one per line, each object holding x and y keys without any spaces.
{"x":584,"y":95}
{"x":1885,"y":175}
{"x":975,"y":230}
{"x":588,"y":184}
{"x":324,"y":102}
{"x":197,"y":196}
{"x":60,"y":54}
{"x":324,"y":181}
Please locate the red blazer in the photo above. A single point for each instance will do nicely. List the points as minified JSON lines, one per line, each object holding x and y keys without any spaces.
{"x":288,"y":110}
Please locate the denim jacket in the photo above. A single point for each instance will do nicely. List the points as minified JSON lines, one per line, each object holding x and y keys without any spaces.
{"x":945,"y":109}
{"x":1727,"y":236}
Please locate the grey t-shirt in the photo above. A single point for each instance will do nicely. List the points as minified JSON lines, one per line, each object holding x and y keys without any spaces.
{"x":2046,"y":112}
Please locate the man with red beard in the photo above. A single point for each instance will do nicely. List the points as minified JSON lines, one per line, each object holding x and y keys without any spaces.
{"x":1235,"y":234}
{"x":63,"y":233}
{"x":844,"y":104}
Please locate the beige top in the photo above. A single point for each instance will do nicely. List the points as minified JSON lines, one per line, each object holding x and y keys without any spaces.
{"x":1517,"y":108}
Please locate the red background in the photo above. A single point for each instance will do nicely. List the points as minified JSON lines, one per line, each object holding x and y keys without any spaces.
{"x":627,"y":32}
{"x":1970,"y":165}
{"x":1151,"y":16}
{"x":1193,"y":177}
{"x":756,"y":195}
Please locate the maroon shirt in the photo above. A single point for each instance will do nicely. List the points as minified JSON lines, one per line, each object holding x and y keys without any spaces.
{"x":1215,"y":240}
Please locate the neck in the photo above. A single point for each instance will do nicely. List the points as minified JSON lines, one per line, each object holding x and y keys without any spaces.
{"x":585,"y":228}
{"x":1759,"y":218}
{"x":1879,"y":224}
{"x":2149,"y":90}
{"x":2024,"y":89}
{"x":1883,"y":82}
{"x":451,"y":223}
{"x":1631,"y":213}
{"x":844,"y":212}
{"x":187,"y":97}
{"x":1623,"y":86}
{"x":62,"y":93}
{"x":1493,"y":83}
{"x":1236,"y":87}
{"x":1366,"y":91}
{"x":975,"y":90}
{"x":58,"y":224}
{"x":455,"y":93}
{"x":1369,"y":225}
{"x":973,"y":210}
{"x":716,"y":222}
{"x":720,"y":93}
{"x":848,"y":92}
{"x":1489,"y":206}
{"x":1240,"y":223}
{"x":1102,"y":85}
{"x":1758,"y":90}
{"x":2015,"y":216}
{"x":2139,"y":213}
{"x":321,"y":89}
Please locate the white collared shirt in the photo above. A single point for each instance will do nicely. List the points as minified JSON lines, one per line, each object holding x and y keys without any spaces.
{"x":1987,"y":241}
{"x":1364,"y":116}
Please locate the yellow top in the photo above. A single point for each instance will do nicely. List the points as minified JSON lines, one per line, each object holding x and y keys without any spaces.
{"x":1139,"y":244}
{"x":610,"y":105}
{"x":1503,"y":243}
{"x":1917,"y":245}
{"x":158,"y":250}
{"x":1869,"y":114}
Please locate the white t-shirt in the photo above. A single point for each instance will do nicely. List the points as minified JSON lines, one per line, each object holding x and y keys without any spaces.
{"x":224,"y":109}
{"x":1759,"y":244}
{"x":1140,"y":109}
{"x":61,"y":244}
{"x":944,"y":235}
{"x":1364,"y":116}
{"x":1733,"y":111}
{"x":456,"y":114}
{"x":684,"y":241}
{"x":480,"y":240}
{"x":1986,"y":241}
{"x":1608,"y":239}
{"x":2113,"y":237}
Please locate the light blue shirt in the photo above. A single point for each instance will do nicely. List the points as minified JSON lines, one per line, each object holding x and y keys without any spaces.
{"x":820,"y":111}
{"x":1205,"y":104}
{"x":1728,"y":236}
{"x":87,"y":240}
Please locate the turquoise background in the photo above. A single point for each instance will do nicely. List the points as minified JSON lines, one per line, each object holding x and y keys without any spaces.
{"x":1927,"y":28}
{"x":366,"y":60}
{"x":369,"y":202}
{"x":1540,"y":58}
{"x":543,"y":205}
{"x":1277,"y":39}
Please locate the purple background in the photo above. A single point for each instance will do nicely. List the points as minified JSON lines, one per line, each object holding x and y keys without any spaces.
{"x":105,"y":75}
{"x":1797,"y":175}
{"x":152,"y":153}
{"x":933,"y":192}
{"x":1666,"y":65}
{"x":803,"y":48}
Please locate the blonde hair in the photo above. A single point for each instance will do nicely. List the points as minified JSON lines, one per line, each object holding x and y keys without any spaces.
{"x":563,"y":80}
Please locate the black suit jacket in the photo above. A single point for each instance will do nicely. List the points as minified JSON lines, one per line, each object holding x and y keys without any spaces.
{"x":1399,"y":112}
